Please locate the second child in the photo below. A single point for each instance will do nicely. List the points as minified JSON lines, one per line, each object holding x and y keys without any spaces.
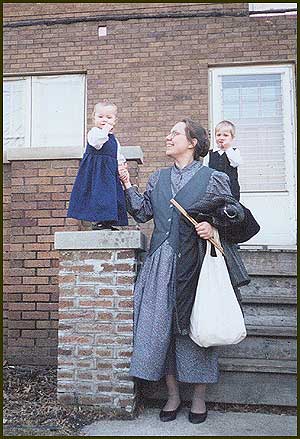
{"x":226,"y":158}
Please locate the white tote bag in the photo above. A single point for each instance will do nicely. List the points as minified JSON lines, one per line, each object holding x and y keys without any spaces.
{"x":216,"y":318}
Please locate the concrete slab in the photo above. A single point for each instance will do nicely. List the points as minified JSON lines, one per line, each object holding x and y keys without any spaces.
{"x":217,"y":424}
{"x":100,"y":240}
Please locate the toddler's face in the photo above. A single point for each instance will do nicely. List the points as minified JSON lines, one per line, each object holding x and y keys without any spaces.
{"x":105,"y":114}
{"x":224,"y":138}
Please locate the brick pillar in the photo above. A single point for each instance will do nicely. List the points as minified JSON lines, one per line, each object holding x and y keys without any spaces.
{"x":96,"y":277}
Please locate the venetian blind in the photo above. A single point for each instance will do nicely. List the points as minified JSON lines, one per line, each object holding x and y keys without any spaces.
{"x":254,"y":104}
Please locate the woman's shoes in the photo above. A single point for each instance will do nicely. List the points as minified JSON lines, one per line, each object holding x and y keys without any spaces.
{"x":197,"y":418}
{"x":169,"y":415}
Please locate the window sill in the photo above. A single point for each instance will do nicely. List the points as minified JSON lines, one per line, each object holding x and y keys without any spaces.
{"x":130,"y":152}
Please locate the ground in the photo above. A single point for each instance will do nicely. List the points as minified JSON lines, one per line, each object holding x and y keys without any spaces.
{"x":30,"y":407}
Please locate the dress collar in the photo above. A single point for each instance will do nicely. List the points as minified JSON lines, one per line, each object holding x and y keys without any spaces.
{"x":195,"y":163}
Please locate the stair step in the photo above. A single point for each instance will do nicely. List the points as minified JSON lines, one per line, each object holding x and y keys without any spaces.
{"x":267,"y":314}
{"x":272,"y":331}
{"x":263,"y":348}
{"x":275,"y":299}
{"x":270,"y":262}
{"x":258,"y":365}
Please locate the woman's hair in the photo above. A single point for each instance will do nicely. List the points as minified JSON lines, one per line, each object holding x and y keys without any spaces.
{"x":227,"y":125}
{"x":194,"y":130}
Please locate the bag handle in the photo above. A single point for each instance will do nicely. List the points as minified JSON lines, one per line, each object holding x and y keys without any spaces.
{"x":213,"y":241}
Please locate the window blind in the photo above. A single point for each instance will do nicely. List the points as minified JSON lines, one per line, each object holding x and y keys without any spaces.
{"x":254,"y":104}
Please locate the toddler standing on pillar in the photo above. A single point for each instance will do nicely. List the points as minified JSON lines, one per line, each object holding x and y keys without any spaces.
{"x":97,"y":194}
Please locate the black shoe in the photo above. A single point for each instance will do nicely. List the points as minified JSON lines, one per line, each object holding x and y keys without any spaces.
{"x":169,"y":415}
{"x":197,"y":418}
{"x":113,"y":228}
{"x":99,"y":226}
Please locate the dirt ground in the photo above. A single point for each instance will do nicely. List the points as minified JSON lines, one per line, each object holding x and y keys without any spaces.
{"x":30,"y":407}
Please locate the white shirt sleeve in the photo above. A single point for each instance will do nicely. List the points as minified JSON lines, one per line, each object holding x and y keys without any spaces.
{"x":97,"y":137}
{"x":234,"y":157}
{"x":120,"y":157}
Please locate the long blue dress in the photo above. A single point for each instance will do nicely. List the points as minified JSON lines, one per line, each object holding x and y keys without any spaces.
{"x":97,"y":194}
{"x":156,"y":351}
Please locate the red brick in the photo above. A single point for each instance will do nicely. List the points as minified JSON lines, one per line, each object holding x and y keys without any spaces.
{"x":35,"y":315}
{"x":35,"y":280}
{"x":36,"y":297}
{"x":51,"y":222}
{"x":21,"y":306}
{"x":37,"y":247}
{"x":96,"y":303}
{"x":47,"y":272}
{"x":47,"y":324}
{"x":48,"y":255}
{"x":22,"y":324}
{"x":38,"y":180}
{"x":51,"y":188}
{"x":37,"y":230}
{"x":22,"y":271}
{"x":47,"y":306}
{"x":52,"y":172}
{"x":37,"y":263}
{"x":34,"y":333}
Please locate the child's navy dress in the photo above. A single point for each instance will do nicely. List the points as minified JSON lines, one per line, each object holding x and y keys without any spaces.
{"x":97,"y":194}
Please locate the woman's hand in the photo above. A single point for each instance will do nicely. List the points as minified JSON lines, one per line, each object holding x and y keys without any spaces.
{"x":124,"y":175}
{"x":204,"y":230}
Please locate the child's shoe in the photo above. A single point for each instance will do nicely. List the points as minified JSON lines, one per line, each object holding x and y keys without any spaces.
{"x":103,"y":226}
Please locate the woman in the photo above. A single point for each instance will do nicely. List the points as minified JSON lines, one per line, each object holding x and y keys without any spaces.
{"x":158,"y":350}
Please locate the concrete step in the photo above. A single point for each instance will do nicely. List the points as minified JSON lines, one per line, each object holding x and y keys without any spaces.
{"x":273,"y":385}
{"x":276,"y":300}
{"x":266,"y":314}
{"x":272,"y":331}
{"x":266,"y":285}
{"x":261,"y":349}
{"x":270,"y":262}
{"x":258,"y":365}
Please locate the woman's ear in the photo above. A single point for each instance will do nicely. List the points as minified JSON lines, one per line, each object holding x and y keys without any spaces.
{"x":194,"y":142}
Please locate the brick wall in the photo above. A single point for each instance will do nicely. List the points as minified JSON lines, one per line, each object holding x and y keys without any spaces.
{"x":36,"y":196}
{"x":156,"y":70}
{"x":39,"y":193}
{"x":6,"y":242}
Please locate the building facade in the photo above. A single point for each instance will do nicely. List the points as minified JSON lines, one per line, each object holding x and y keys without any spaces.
{"x":159,"y":62}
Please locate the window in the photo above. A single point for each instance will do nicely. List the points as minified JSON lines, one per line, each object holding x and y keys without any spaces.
{"x":44,"y":111}
{"x":258,"y":100}
{"x":271,"y":7}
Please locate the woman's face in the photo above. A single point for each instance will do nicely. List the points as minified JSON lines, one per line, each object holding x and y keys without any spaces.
{"x":177,"y":142}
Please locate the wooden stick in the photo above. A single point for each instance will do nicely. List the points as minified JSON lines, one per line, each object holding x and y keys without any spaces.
{"x":193,"y":221}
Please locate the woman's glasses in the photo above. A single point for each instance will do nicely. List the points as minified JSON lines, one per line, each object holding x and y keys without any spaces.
{"x":173,"y":134}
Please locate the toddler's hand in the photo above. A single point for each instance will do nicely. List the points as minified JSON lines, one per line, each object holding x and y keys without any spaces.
{"x":107,"y":127}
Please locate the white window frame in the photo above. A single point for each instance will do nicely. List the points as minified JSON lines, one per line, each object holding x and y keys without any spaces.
{"x":269,"y":9}
{"x":215,"y":89}
{"x":29,"y":152}
{"x":268,"y":236}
